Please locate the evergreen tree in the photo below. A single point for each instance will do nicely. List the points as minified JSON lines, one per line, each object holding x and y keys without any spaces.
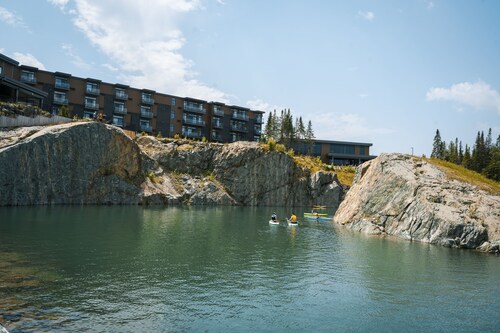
{"x":460,"y":153}
{"x":309,"y":138}
{"x":437,"y":147}
{"x":466,"y":161}
{"x":268,"y":130}
{"x":301,"y":130}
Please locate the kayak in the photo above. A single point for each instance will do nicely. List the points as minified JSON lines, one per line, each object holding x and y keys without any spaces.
{"x":321,"y":218}
{"x":292,"y":223}
{"x":274,"y":222}
{"x":315,"y":214}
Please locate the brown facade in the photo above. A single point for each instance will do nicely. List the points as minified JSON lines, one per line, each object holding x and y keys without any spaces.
{"x":337,"y":152}
{"x":139,"y":110}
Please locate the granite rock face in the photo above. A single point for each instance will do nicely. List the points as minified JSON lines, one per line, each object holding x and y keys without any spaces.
{"x":76,"y":163}
{"x":94,"y":163}
{"x":409,"y":198}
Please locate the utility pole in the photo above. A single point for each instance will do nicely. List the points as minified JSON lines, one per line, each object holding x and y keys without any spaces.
{"x":411,"y":151}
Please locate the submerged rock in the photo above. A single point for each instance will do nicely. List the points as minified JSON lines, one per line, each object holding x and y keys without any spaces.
{"x":409,"y":198}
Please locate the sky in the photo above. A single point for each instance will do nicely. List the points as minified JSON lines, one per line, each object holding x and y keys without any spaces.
{"x":387,"y":72}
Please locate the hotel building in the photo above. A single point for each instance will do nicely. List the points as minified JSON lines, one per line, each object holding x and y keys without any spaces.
{"x":144,"y":110}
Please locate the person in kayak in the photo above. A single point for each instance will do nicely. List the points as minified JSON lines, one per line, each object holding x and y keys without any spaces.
{"x":274,"y":217}
{"x":293,"y":218}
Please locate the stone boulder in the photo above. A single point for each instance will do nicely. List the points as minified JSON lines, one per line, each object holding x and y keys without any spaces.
{"x":407,"y":197}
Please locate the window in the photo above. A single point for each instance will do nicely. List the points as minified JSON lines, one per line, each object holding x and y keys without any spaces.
{"x":173,"y":101}
{"x":62,"y":83}
{"x":92,"y":88}
{"x":1,"y":70}
{"x":120,"y":94}
{"x":147,"y":98}
{"x":60,"y":98}
{"x":172,"y":114}
{"x":362,"y":150}
{"x":171,"y":128}
{"x":341,"y":149}
{"x":118,"y":121}
{"x":28,"y":77}
{"x":91,"y":103}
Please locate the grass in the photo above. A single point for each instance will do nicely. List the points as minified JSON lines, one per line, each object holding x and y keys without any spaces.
{"x":345,"y":174}
{"x":458,"y":172}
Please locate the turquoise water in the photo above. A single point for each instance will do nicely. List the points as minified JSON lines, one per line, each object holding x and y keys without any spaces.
{"x":188,"y":269}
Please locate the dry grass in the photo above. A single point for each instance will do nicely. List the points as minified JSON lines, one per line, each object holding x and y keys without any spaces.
{"x":457,"y":172}
{"x":345,"y":175}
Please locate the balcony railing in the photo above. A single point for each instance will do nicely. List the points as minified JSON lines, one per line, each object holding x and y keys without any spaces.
{"x":91,"y":105}
{"x":147,"y":100}
{"x":258,"y":119}
{"x":216,"y":137}
{"x":146,"y":114}
{"x":120,"y":109}
{"x":239,"y":128}
{"x":191,"y":134}
{"x":121,"y":96}
{"x":28,"y":78}
{"x":192,"y":108}
{"x":146,"y":128}
{"x":61,"y":100}
{"x":218,"y":112}
{"x":92,"y":90}
{"x":217,"y":124}
{"x":193,"y":121}
{"x":118,"y":122}
{"x":62,"y":85}
{"x":257,"y":130}
{"x":239,"y":116}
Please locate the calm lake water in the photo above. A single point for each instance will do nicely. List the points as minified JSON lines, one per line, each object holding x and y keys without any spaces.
{"x":189,"y":269}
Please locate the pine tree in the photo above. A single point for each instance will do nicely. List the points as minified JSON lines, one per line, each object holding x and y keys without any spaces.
{"x":460,"y":153}
{"x":301,"y":131}
{"x":309,"y":138}
{"x":466,"y":162}
{"x":268,"y":130}
{"x":437,"y":147}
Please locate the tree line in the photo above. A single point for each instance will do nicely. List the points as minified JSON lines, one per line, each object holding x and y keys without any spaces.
{"x":282,"y":129}
{"x":483,"y":157}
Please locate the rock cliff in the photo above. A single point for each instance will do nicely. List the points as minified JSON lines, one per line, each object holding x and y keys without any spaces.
{"x":408,"y":197}
{"x":93,"y":163}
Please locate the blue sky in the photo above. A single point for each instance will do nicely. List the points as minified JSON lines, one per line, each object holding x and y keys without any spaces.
{"x":385,"y":72}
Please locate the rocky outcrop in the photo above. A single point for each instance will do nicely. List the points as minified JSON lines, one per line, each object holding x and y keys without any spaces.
{"x":238,"y":173}
{"x":94,"y":163}
{"x":80,"y":163}
{"x":407,"y":197}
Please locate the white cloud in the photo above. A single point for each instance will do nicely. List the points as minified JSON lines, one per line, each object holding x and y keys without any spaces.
{"x":478,"y":95}
{"x":75,"y":58}
{"x":10,"y":18}
{"x":222,"y":2}
{"x":344,"y":126}
{"x":144,"y":43}
{"x":59,"y":3}
{"x":368,"y":15}
{"x":28,"y":60}
{"x":110,"y":67}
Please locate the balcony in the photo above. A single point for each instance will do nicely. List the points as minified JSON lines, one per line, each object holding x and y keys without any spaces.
{"x":91,"y":105}
{"x":216,"y":136}
{"x":238,"y":128}
{"x":193,"y":121}
{"x":146,"y":127}
{"x":218,"y":112}
{"x":61,"y":100}
{"x":147,"y":100}
{"x":217,"y":124}
{"x":198,"y":108}
{"x":258,"y":119}
{"x":120,"y":109}
{"x":146,"y":114}
{"x":257,"y":130}
{"x":121,"y":96}
{"x":191,"y":134}
{"x":92,"y":90}
{"x":62,"y":85}
{"x":118,"y":122}
{"x":239,"y":116}
{"x":28,"y":78}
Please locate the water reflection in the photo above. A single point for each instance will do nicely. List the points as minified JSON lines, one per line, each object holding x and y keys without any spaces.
{"x":225,"y":268}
